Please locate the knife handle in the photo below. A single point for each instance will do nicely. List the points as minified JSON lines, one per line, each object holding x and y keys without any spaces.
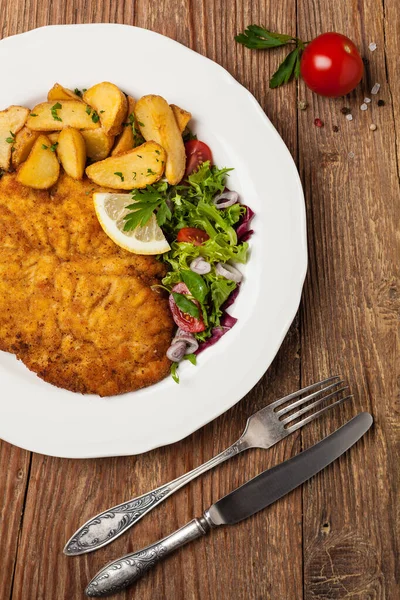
{"x":124,"y":571}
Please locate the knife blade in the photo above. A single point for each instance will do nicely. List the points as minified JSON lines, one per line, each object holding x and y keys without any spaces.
{"x":245,"y":501}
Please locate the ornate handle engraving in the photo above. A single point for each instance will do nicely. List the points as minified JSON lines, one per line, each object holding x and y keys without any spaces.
{"x":110,"y":524}
{"x":126,"y":570}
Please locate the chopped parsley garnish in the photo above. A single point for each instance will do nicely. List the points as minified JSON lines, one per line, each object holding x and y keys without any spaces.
{"x":54,"y":146}
{"x":157,"y":151}
{"x":141,"y":124}
{"x":150,"y":172}
{"x":54,"y":110}
{"x":33,"y":115}
{"x":95,"y":117}
{"x":84,"y":90}
{"x":88,"y":110}
{"x":101,"y":112}
{"x":134,"y":174}
{"x":119,"y":174}
{"x":45,"y":147}
{"x":78,"y":92}
{"x":139,"y":156}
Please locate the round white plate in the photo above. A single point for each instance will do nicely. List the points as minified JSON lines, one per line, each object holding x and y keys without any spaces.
{"x":42,"y":418}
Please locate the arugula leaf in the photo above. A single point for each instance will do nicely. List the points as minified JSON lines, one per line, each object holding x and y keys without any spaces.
{"x":259,"y":37}
{"x":186,"y":305}
{"x":174,"y":372}
{"x":191,"y":358}
{"x":196,"y":285}
{"x":285,"y":70}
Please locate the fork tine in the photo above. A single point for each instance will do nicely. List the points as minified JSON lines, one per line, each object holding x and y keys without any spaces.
{"x":317,"y":414}
{"x":313,"y":405}
{"x":303,"y":391}
{"x":287,"y":409}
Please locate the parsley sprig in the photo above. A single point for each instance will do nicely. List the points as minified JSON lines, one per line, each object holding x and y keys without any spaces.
{"x":151,"y":198}
{"x":263,"y":39}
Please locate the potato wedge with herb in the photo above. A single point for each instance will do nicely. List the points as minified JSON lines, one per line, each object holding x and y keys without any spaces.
{"x":98,"y":143}
{"x":50,"y":116}
{"x":157,"y":122}
{"x":137,"y":168}
{"x":110,"y":104}
{"x":23,"y":144}
{"x":12,"y":120}
{"x":58,"y":92}
{"x":125,"y":141}
{"x":71,"y":151}
{"x":41,"y":169}
{"x":182,"y":116}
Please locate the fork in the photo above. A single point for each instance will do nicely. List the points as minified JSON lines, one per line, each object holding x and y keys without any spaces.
{"x":263,"y":429}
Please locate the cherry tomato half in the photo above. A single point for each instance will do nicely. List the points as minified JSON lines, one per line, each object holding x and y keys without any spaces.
{"x":183,"y":320}
{"x":193,"y":235}
{"x":196,"y":153}
{"x":331,"y":65}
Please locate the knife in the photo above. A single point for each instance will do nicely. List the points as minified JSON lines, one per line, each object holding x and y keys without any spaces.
{"x":245,"y":501}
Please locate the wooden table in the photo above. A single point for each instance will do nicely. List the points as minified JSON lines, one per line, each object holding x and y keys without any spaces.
{"x":337,"y":537}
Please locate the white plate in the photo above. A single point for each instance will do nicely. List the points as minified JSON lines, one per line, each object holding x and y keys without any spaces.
{"x":42,"y":418}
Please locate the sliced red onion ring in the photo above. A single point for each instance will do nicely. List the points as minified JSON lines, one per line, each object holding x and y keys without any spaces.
{"x":176,"y":351}
{"x":229,"y":272}
{"x":189,"y":339}
{"x":227,"y":198}
{"x":200,"y":266}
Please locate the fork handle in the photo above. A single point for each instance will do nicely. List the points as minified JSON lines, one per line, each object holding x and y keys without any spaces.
{"x":110,"y":524}
{"x":124,"y":571}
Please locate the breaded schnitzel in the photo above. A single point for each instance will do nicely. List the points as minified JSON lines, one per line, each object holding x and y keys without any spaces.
{"x":74,"y":307}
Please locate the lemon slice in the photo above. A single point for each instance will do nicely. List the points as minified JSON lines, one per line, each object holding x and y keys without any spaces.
{"x":111,"y":209}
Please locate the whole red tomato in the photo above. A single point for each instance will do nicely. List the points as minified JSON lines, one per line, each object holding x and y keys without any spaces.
{"x":331,"y":65}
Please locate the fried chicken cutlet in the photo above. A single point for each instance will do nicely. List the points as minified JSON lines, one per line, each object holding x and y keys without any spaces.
{"x":76,"y":308}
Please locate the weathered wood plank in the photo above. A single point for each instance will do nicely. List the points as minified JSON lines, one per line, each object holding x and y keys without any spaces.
{"x":350,"y":316}
{"x":14,"y":473}
{"x":242,"y":562}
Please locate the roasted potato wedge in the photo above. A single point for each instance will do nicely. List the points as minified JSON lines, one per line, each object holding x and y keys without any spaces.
{"x":71,"y":151}
{"x":50,"y":116}
{"x":182,"y":116}
{"x":110,"y":104}
{"x":54,"y":135}
{"x":41,"y":169}
{"x":58,"y":92}
{"x":23,"y":144}
{"x":157,"y":122}
{"x":12,"y":120}
{"x":98,"y":143}
{"x":125,"y":141}
{"x":137,"y":168}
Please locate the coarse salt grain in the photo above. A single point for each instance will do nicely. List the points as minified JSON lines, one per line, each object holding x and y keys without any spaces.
{"x":367,"y":100}
{"x":372,"y":46}
{"x":351,"y":154}
{"x":373,"y":127}
{"x":349,"y":117}
{"x":376,"y":88}
{"x":364,"y":106}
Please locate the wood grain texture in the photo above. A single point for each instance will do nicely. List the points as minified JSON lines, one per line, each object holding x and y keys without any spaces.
{"x":351,"y":310}
{"x":337,"y":537}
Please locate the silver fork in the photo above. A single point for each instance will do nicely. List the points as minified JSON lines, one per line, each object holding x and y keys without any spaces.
{"x":263,"y":429}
